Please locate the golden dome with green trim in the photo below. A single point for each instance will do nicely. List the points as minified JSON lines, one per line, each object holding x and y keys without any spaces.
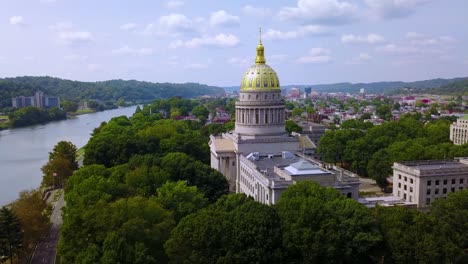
{"x":260,"y":76}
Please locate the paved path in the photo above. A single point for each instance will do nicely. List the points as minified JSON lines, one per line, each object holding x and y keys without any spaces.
{"x":47,"y":247}
{"x":368,"y":185}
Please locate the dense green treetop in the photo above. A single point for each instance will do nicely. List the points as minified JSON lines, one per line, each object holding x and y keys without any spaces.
{"x":371,"y":152}
{"x":235,"y":229}
{"x":32,"y":115}
{"x":321,"y":225}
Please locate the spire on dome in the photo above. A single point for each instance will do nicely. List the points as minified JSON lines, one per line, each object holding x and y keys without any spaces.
{"x":260,"y":59}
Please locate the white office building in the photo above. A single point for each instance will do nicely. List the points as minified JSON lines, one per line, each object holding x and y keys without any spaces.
{"x":422,"y":182}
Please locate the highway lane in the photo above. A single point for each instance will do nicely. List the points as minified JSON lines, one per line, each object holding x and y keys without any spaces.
{"x":47,"y":248}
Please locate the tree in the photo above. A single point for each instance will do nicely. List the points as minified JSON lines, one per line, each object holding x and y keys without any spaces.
{"x":414,"y":237}
{"x":10,"y":234}
{"x":62,"y":162}
{"x":69,"y":106}
{"x":451,"y":216}
{"x":384,"y":112}
{"x":380,"y":167}
{"x":321,"y":225}
{"x":292,"y":126}
{"x":235,"y":229}
{"x":30,"y":209}
{"x":297,"y":112}
{"x":180,"y":199}
{"x":200,"y":110}
{"x":182,"y":167}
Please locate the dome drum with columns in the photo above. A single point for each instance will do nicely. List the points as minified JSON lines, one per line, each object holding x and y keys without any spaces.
{"x":260,"y":109}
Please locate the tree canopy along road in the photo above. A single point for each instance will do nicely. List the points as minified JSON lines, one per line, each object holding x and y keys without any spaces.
{"x":47,"y":249}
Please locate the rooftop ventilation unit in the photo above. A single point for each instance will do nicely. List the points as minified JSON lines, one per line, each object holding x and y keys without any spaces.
{"x":253,"y":156}
{"x":287,"y":155}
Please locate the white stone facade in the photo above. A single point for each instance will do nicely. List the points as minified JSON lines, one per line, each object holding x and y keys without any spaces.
{"x":421,"y":182}
{"x":459,"y":131}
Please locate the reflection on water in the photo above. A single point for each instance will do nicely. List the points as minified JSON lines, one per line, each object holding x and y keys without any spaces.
{"x":24,"y":151}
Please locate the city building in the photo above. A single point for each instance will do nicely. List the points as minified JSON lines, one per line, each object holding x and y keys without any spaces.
{"x":259,"y":158}
{"x":459,"y":131}
{"x":39,"y":100}
{"x":421,"y":182}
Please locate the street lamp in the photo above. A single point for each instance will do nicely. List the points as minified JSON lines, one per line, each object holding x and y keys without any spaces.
{"x":55,"y":176}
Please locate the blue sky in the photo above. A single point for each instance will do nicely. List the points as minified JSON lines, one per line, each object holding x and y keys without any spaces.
{"x":213,"y":41}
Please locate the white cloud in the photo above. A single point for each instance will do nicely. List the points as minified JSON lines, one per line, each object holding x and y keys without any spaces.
{"x":17,"y":21}
{"x":129,"y":26}
{"x":75,"y":36}
{"x":361,"y":58}
{"x":256,"y":11}
{"x":222,"y":18}
{"x":315,"y":56}
{"x":126,"y":50}
{"x":394,"y":8}
{"x":321,"y":11}
{"x":393,"y":48}
{"x":176,"y":22}
{"x":172,"y":24}
{"x":319,"y":51}
{"x":370,"y":38}
{"x":173,"y":4}
{"x":220,"y":40}
{"x":60,"y":26}
{"x":241,"y":62}
{"x":301,"y":32}
{"x":196,"y":66}
{"x":420,"y":39}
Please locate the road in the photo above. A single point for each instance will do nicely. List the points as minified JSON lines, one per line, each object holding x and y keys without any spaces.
{"x":47,"y":247}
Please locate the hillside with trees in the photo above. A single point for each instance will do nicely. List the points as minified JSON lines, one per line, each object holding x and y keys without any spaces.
{"x":113,"y":90}
{"x":376,"y":87}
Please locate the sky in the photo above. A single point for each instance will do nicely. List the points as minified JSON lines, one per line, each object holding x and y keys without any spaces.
{"x":213,"y":42}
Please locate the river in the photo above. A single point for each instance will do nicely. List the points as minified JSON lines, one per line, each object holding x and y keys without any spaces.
{"x":23,"y":151}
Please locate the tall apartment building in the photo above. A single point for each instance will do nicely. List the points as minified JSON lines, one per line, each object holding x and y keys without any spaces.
{"x":459,"y":131}
{"x":421,"y":182}
{"x":38,"y":100}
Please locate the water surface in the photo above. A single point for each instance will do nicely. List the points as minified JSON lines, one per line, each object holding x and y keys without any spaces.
{"x":23,"y":151}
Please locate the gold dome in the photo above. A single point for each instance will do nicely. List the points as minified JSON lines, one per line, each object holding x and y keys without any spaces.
{"x":260,"y":76}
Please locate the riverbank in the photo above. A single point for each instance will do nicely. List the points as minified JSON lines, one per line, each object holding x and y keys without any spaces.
{"x":23,"y":151}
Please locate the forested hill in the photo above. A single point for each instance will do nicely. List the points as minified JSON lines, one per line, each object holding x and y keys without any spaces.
{"x":106,"y":90}
{"x":375,"y":87}
{"x":455,"y":88}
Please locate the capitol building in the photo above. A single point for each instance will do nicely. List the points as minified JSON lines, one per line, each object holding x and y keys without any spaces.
{"x":259,"y":157}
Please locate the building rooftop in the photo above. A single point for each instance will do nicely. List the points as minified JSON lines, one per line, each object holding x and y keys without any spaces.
{"x":434,"y":164}
{"x":304,"y":167}
{"x":223,"y":145}
{"x":433,"y":167}
{"x":385,"y":201}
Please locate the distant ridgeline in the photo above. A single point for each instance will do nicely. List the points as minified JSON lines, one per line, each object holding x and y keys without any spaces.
{"x":455,"y":86}
{"x":113,"y":90}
